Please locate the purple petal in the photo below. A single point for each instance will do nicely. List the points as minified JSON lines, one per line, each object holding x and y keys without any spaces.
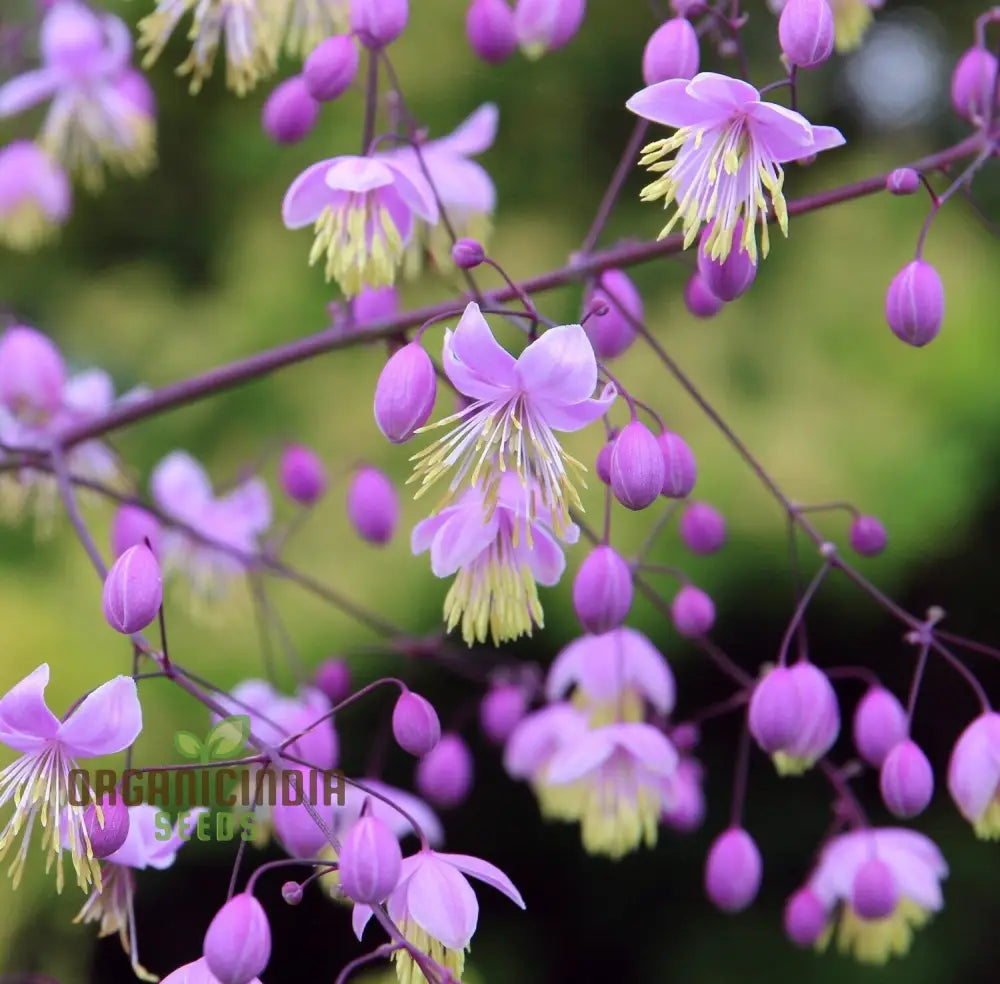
{"x":579,"y":415}
{"x":580,"y":757}
{"x":826,"y":138}
{"x":560,"y":368}
{"x":180,"y":486}
{"x":722,"y":91}
{"x":485,"y":872}
{"x":538,"y":736}
{"x":567,"y":668}
{"x":462,"y":185}
{"x":358,"y":174}
{"x":646,"y":669}
{"x":415,"y":191}
{"x":413,"y":805}
{"x":649,"y":746}
{"x":424,"y":532}
{"x":89,"y":393}
{"x":24,"y":91}
{"x":974,"y":769}
{"x":26,"y":723}
{"x":307,"y":196}
{"x":473,"y":135}
{"x":474,"y":361}
{"x":784,"y":134}
{"x":359,"y":919}
{"x":461,"y":540}
{"x":249,"y":504}
{"x":544,"y":556}
{"x":442,"y":903}
{"x":108,"y":720}
{"x":671,"y":104}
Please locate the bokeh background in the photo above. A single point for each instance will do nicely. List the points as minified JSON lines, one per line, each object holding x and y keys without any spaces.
{"x":160,"y":278}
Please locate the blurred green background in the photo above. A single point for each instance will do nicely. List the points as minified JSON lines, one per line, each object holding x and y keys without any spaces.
{"x":164,"y":277}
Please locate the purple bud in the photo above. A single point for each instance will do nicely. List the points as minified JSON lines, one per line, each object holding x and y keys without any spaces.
{"x":671,"y":52}
{"x":105,"y":838}
{"x":699,"y":300}
{"x":238,"y":942}
{"x":489,"y":26}
{"x":133,"y":525}
{"x":680,"y":470}
{"x":544,"y":25}
{"x":370,"y":861}
{"x":333,"y":679}
{"x":133,"y":590}
{"x":879,"y":725}
{"x":405,"y":393}
{"x":372,"y":506}
{"x":603,"y":464}
{"x":602,"y":591}
{"x":612,"y":302}
{"x":375,"y":304}
{"x":805,"y":917}
{"x":703,"y":528}
{"x":378,"y":23}
{"x":444,"y":774}
{"x":32,"y":372}
{"x":775,"y":712}
{"x":868,"y":536}
{"x":729,"y":278}
{"x":805,"y":32}
{"x":329,"y":71}
{"x":693,"y":612}
{"x":415,"y":724}
{"x":501,"y":710}
{"x":906,"y":780}
{"x":303,"y":476}
{"x":733,"y":870}
{"x":290,"y":112}
{"x":636,"y":466}
{"x":873,"y":894}
{"x":974,"y":773}
{"x":973,"y":84}
{"x":467,"y":254}
{"x":291,"y":892}
{"x":903,"y":181}
{"x":914,"y":303}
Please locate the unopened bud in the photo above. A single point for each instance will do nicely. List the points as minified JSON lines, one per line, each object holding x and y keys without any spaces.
{"x":692,"y":611}
{"x":444,"y":774}
{"x":373,"y":505}
{"x":733,"y":870}
{"x":671,"y":52}
{"x":302,"y":474}
{"x":680,"y":470}
{"x":238,"y":942}
{"x":602,"y":591}
{"x":906,"y":780}
{"x":32,"y":372}
{"x":405,"y":393}
{"x":467,"y":254}
{"x":330,"y":69}
{"x":415,"y":724}
{"x":973,"y":84}
{"x":290,"y":112}
{"x":805,"y":918}
{"x":106,"y":833}
{"x":874,"y":894}
{"x":730,"y":278}
{"x":544,"y":25}
{"x":806,"y":32}
{"x":612,"y":305}
{"x":879,"y":725}
{"x":703,"y":528}
{"x":501,"y":710}
{"x":903,"y":181}
{"x":291,"y":892}
{"x":133,"y":525}
{"x":636,"y":466}
{"x":370,"y":861}
{"x":868,"y":536}
{"x":133,"y":590}
{"x":378,"y":23}
{"x":699,"y":300}
{"x":914,"y":303}
{"x":333,"y":679}
{"x":489,"y":26}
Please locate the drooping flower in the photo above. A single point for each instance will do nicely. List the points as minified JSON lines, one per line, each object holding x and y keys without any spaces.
{"x":38,"y":782}
{"x":974,"y":775}
{"x":727,"y":152}
{"x":516,"y":407}
{"x":436,"y":909}
{"x":501,"y":548}
{"x":851,"y":19}
{"x":34,"y":196}
{"x":916,"y":868}
{"x":364,"y":210}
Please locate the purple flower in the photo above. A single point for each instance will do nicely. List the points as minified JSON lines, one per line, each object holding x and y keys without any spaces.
{"x":195,"y":973}
{"x":851,"y":20}
{"x":729,"y":150}
{"x":34,"y":196}
{"x":974,"y":775}
{"x":106,"y":721}
{"x":364,"y":210}
{"x":542,"y":25}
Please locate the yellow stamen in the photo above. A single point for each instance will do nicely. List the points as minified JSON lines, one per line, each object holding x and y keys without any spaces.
{"x":407,"y":970}
{"x":873,"y":941}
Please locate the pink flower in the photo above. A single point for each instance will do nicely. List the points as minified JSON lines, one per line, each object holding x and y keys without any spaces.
{"x":729,"y":150}
{"x":851,"y":19}
{"x":106,"y":721}
{"x":436,"y":909}
{"x":34,"y":196}
{"x":196,"y":973}
{"x":516,"y":407}
{"x":974,"y":775}
{"x":355,"y":796}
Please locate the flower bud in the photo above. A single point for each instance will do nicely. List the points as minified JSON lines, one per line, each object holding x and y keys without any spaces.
{"x":489,"y":26}
{"x":372,"y":506}
{"x":874,"y":894}
{"x":374,"y":304}
{"x":238,"y":942}
{"x":444,"y":774}
{"x":816,"y":715}
{"x":671,"y":52}
{"x":405,"y":393}
{"x":879,"y":725}
{"x":303,"y":476}
{"x":602,"y":591}
{"x":290,"y":112}
{"x":133,"y":590}
{"x":729,"y":278}
{"x":333,"y":679}
{"x":32,"y":372}
{"x":733,"y":870}
{"x":906,"y":780}
{"x":378,"y":23}
{"x":974,"y":775}
{"x":501,"y":710}
{"x":107,"y":833}
{"x":603,"y":464}
{"x":680,"y":470}
{"x":608,"y":306}
{"x":370,"y":861}
{"x":699,"y":300}
{"x":903,"y":181}
{"x":973,"y":84}
{"x":544,"y":25}
{"x":805,"y":917}
{"x":329,"y":71}
{"x":703,"y":528}
{"x":774,"y":714}
{"x":467,"y":253}
{"x":868,"y":536}
{"x":914,"y":303}
{"x":415,"y":724}
{"x":692,"y":611}
{"x":636,"y":466}
{"x":805,"y":32}
{"x":291,"y":892}
{"x":133,"y":525}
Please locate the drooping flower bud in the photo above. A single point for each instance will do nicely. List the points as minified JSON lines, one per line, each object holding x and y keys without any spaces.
{"x":290,"y":112}
{"x":731,"y":277}
{"x":373,"y":505}
{"x":467,"y":253}
{"x":973,"y":84}
{"x":405,"y":393}
{"x":133,"y":590}
{"x":733,"y":870}
{"x":906,"y":780}
{"x":32,"y":372}
{"x":609,"y":305}
{"x":699,"y":300}
{"x":415,"y":724}
{"x":914,"y":303}
{"x":805,"y":917}
{"x":106,"y":833}
{"x":374,"y":304}
{"x":868,"y":536}
{"x":370,"y":861}
{"x":903,"y":181}
{"x":544,"y":25}
{"x":330,"y":69}
{"x":879,"y":725}
{"x":238,"y":942}
{"x":378,"y":23}
{"x":692,"y":611}
{"x":636,"y":466}
{"x":133,"y":525}
{"x":702,"y":528}
{"x":774,"y":714}
{"x":489,"y":26}
{"x":603,"y":464}
{"x":291,"y":893}
{"x":501,"y":710}
{"x":333,"y":678}
{"x":874,"y":894}
{"x":974,"y":775}
{"x":303,"y":476}
{"x":806,"y":32}
{"x":680,"y":470}
{"x":602,"y":591}
{"x":444,"y":774}
{"x":671,"y":52}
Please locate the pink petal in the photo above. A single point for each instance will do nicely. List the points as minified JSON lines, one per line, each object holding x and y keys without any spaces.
{"x":249,"y":504}
{"x":89,"y":393}
{"x":442,"y":903}
{"x":108,"y":720}
{"x":397,"y":823}
{"x":783,"y":134}
{"x":180,"y":486}
{"x":545,"y":557}
{"x":462,"y":185}
{"x":538,"y":736}
{"x":485,"y":872}
{"x":473,"y":135}
{"x":649,"y":746}
{"x":826,"y":138}
{"x":26,"y":723}
{"x":671,"y":104}
{"x":24,"y":91}
{"x":568,"y":667}
{"x":722,"y":91}
{"x":475,"y":361}
{"x":579,"y":415}
{"x":646,"y":668}
{"x":580,"y":757}
{"x":414,"y":190}
{"x":974,"y":769}
{"x":359,"y":919}
{"x":358,"y":174}
{"x":560,"y":368}
{"x":424,"y":532}
{"x":307,"y":196}
{"x":460,"y":541}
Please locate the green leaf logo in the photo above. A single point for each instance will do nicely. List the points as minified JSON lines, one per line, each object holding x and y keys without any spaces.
{"x":188,"y":745}
{"x":228,"y":737}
